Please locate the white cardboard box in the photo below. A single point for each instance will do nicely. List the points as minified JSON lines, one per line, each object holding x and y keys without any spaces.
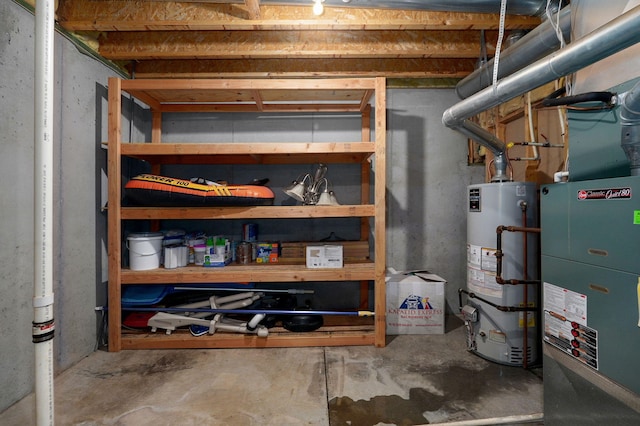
{"x":324,"y":256}
{"x":415,"y":302}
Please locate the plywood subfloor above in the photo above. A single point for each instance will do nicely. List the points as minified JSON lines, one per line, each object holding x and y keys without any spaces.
{"x":160,"y":39}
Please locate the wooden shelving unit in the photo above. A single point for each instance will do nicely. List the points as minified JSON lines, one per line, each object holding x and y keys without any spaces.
{"x":291,"y":95}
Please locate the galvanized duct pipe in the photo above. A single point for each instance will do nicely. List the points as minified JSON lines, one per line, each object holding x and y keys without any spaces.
{"x":630,"y":106}
{"x":539,"y":42}
{"x":515,"y":7}
{"x":613,"y":37}
{"x":630,"y":119}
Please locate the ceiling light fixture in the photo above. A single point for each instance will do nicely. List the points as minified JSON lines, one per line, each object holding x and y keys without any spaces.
{"x":318,"y":8}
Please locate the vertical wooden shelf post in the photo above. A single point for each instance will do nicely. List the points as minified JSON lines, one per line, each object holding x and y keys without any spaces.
{"x":380,"y":292}
{"x":114,"y":213}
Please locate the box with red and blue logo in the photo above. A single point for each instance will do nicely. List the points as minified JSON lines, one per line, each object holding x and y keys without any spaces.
{"x":415,"y":302}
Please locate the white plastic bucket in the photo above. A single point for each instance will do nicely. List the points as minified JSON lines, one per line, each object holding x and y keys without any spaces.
{"x":145,"y":249}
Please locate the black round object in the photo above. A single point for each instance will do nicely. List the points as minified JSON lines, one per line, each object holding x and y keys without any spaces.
{"x":269,"y":321}
{"x":302,"y":323}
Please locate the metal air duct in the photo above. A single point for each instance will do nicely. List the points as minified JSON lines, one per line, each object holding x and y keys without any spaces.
{"x":630,"y":119}
{"x":613,"y":37}
{"x":539,"y":42}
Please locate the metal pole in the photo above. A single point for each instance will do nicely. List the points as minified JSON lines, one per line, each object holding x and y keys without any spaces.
{"x":257,"y":290}
{"x":250,"y":311}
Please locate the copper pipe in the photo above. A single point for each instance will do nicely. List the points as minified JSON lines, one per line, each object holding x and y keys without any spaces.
{"x":499,"y":254}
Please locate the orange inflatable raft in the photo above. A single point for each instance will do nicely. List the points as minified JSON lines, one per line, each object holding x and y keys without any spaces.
{"x":162,"y":191}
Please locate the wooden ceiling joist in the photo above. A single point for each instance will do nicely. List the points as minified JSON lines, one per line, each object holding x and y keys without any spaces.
{"x":291,"y":44}
{"x":298,"y":68}
{"x":76,"y":15}
{"x":196,"y":39}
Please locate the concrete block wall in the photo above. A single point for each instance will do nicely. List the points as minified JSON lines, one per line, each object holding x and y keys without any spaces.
{"x":426,"y":179}
{"x":80,"y":116}
{"x":427,"y":176}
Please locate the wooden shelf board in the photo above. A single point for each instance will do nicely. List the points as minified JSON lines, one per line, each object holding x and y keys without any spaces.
{"x":184,"y":340}
{"x":284,"y":271}
{"x":258,"y":92}
{"x":333,"y":158}
{"x":263,"y":108}
{"x":251,"y":212}
{"x":249,"y":153}
{"x":257,"y":148}
{"x":356,"y":338}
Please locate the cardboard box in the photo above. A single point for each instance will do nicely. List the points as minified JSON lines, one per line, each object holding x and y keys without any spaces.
{"x":415,"y":302}
{"x":266,"y":252}
{"x":351,"y":250}
{"x":219,"y":254}
{"x":324,"y":256}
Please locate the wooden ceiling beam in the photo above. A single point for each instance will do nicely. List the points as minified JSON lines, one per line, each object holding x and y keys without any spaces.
{"x":130,"y":15}
{"x":184,"y":39}
{"x":292,"y":44}
{"x":305,"y":68}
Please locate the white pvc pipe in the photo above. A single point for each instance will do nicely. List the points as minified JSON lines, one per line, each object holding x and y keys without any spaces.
{"x":560,"y":176}
{"x":43,"y":323}
{"x":518,"y":419}
{"x":253,"y":323}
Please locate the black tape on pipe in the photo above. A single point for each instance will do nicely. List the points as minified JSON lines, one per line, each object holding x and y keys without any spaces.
{"x":43,"y":331}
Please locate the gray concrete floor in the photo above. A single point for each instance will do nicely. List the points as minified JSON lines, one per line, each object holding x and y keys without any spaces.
{"x":413,"y":380}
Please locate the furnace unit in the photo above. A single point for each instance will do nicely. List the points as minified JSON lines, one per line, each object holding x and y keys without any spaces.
{"x":591,"y":271}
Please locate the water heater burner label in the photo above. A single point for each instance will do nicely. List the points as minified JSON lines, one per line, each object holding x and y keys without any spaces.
{"x":489,"y":260}
{"x":604,"y":194}
{"x":565,"y":324}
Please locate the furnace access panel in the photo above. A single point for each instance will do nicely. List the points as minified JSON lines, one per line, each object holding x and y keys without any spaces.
{"x":591,"y":274}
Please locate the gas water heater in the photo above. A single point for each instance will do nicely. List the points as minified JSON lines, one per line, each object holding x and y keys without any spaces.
{"x":500,"y":317}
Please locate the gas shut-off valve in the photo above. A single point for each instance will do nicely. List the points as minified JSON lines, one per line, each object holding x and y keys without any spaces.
{"x":470,"y":316}
{"x":469,"y":313}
